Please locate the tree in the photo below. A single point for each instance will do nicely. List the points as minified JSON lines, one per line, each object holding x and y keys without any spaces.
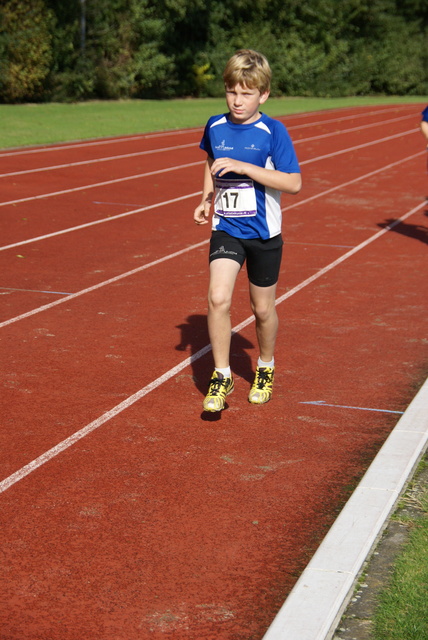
{"x":166,"y":48}
{"x":26,"y":48}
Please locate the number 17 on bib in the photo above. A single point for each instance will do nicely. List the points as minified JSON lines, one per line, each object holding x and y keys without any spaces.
{"x":235,"y":198}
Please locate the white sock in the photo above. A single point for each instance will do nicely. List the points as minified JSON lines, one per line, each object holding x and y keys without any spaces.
{"x":270,"y":364}
{"x":225,"y":372}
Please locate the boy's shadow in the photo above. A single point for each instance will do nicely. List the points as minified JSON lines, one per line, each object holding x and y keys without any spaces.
{"x":194,"y":334}
{"x":416,"y":231}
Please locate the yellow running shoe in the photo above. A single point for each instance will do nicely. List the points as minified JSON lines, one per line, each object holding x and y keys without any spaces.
{"x":261,"y":391}
{"x":219,"y":388}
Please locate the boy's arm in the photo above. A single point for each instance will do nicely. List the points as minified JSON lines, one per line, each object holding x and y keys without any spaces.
{"x":202,"y":211}
{"x":424,"y":129}
{"x":286,"y":182}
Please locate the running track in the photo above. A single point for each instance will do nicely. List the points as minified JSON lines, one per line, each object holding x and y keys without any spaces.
{"x":127,"y":513}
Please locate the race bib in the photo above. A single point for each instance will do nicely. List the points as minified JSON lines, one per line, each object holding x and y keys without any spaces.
{"x":235,"y":198}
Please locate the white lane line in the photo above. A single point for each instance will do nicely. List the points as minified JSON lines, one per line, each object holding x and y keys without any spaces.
{"x":335,"y":263}
{"x":343,"y":131}
{"x":173,"y":132}
{"x":360,"y":146}
{"x":175,"y":168}
{"x":78,"y":435}
{"x":102,"y":184}
{"x":106,"y":282}
{"x":322,"y":403}
{"x":191,"y":195}
{"x":352,"y":117}
{"x":346,"y":184}
{"x":68,"y":442}
{"x":97,"y":142}
{"x":183,"y":146}
{"x":101,"y":221}
{"x":97,"y":160}
{"x":45,"y":307}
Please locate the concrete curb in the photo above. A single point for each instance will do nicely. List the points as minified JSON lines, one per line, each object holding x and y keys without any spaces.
{"x":315,"y":605}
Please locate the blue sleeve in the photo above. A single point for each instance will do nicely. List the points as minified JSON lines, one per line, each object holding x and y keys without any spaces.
{"x":205,"y":143}
{"x":283,"y":154}
{"x":425,"y":114}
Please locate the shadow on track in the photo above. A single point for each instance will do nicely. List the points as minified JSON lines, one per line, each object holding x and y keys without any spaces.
{"x":194,"y":334}
{"x":416,"y":231}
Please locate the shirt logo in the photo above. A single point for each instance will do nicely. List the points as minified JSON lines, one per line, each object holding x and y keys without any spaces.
{"x":252,"y":148}
{"x":222,"y":146}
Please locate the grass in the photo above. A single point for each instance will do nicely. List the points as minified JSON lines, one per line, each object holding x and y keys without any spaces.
{"x":402,"y":609}
{"x":33,"y":124}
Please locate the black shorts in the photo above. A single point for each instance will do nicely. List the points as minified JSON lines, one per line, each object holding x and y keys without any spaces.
{"x":263,"y":256}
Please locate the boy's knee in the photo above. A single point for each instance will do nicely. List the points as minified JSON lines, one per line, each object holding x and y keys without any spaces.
{"x":264,"y":312}
{"x":218,"y":299}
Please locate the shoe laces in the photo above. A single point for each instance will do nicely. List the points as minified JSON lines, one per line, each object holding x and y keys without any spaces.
{"x":264,"y":377}
{"x":216,"y":385}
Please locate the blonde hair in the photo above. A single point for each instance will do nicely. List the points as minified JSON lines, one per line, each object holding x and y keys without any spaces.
{"x":248,"y":68}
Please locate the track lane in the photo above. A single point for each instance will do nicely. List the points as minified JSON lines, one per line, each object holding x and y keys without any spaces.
{"x":349,"y":203}
{"x":80,"y":179}
{"x":19,"y":221}
{"x":88,"y":517}
{"x":141,"y":239}
{"x":253,"y":472}
{"x":90,"y":346}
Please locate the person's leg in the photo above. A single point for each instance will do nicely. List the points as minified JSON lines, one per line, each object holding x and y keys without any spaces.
{"x":263,"y":265}
{"x":263,"y":305}
{"x":223,"y":274}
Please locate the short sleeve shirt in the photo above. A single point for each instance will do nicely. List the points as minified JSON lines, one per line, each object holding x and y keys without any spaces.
{"x":243,"y":207}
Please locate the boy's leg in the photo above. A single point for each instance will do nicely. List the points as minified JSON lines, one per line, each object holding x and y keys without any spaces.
{"x":263,"y":305}
{"x":223,"y":274}
{"x":264,"y":309}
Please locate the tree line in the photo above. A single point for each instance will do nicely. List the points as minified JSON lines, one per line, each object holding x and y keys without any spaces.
{"x":60,"y":50}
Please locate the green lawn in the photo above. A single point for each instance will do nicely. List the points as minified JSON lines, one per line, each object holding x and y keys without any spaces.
{"x":32,"y":124}
{"x":402,"y":613}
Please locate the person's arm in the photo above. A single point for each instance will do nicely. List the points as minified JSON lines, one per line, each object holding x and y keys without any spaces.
{"x":202,"y":211}
{"x":424,"y":129}
{"x":286,"y":182}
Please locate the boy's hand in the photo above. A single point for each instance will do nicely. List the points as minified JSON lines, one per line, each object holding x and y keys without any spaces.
{"x":223,"y":165}
{"x":279,"y":180}
{"x":202,"y":212}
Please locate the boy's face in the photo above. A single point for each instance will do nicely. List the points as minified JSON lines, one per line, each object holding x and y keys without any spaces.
{"x":243,"y":103}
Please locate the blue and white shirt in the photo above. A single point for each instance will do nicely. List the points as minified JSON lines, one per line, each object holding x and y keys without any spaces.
{"x":242,"y":207}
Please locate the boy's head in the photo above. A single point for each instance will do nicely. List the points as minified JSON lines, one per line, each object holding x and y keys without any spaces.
{"x":249,"y":69}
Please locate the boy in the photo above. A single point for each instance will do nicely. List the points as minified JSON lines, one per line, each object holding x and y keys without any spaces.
{"x":251,"y":160}
{"x":424,"y":124}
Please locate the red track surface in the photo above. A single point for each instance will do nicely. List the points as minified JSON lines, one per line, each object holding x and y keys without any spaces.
{"x":155,"y":520}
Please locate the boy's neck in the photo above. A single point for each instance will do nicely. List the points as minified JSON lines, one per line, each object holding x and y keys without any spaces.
{"x":252,"y":120}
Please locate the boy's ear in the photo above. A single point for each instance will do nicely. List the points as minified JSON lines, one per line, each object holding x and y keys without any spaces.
{"x":264,"y":96}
